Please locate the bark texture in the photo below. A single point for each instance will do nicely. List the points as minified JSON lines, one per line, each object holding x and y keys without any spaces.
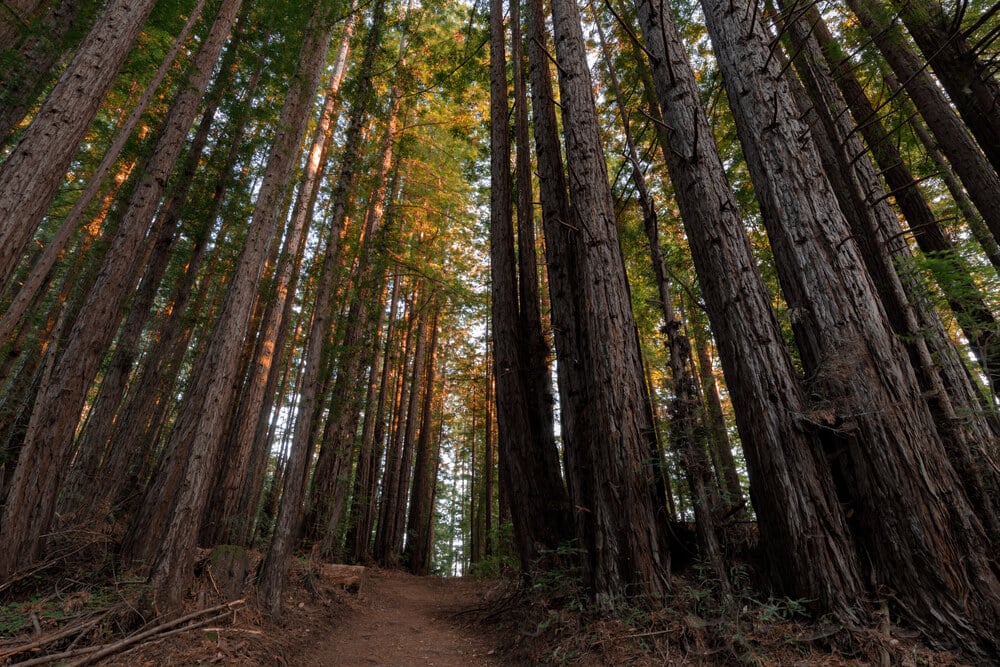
{"x":32,"y":173}
{"x":621,"y":525}
{"x":888,"y":463}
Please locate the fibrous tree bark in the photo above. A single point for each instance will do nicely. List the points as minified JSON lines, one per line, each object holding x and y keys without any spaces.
{"x":884,"y":453}
{"x":621,"y":528}
{"x":686,"y":416}
{"x":31,"y":174}
{"x":785,"y":462}
{"x":196,"y":438}
{"x":527,"y":454}
{"x":48,"y":445}
{"x":966,"y":429}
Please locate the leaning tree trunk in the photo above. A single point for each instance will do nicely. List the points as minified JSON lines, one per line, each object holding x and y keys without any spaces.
{"x":31,"y":174}
{"x":962,"y":294}
{"x":973,"y":218}
{"x":49,"y":36}
{"x":967,"y":432}
{"x":907,"y":511}
{"x":235,"y":505}
{"x":686,"y":415}
{"x":941,"y":374}
{"x":785,"y":462}
{"x":47,"y":450}
{"x":42,"y":268}
{"x":622,"y":522}
{"x":332,"y":466}
{"x":197,"y":435}
{"x":973,"y":91}
{"x":276,"y":562}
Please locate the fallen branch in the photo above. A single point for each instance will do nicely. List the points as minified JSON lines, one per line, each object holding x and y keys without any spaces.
{"x":65,"y":632}
{"x":151,"y":640}
{"x":164,"y":629}
{"x":46,"y":659}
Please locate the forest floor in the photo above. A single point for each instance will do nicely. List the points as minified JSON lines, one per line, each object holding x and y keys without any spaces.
{"x":342,"y":616}
{"x":398,"y":620}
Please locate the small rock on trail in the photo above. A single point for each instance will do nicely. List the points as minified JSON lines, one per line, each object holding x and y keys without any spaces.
{"x":402,"y":620}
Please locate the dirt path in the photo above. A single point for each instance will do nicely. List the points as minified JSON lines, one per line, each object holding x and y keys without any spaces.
{"x":400,"y":620}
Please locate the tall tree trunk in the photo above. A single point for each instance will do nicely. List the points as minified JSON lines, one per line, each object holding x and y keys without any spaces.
{"x":393,"y":456}
{"x":276,"y":562}
{"x":140,"y":420}
{"x":534,"y":348}
{"x":233,"y":501}
{"x":102,"y":418}
{"x":621,"y":529}
{"x":889,"y":464}
{"x":397,"y":513}
{"x":785,"y":463}
{"x":965,"y":205}
{"x":328,"y":486}
{"x":45,"y":455}
{"x":417,"y":546}
{"x":528,"y":457}
{"x":963,"y":296}
{"x":686,"y":416}
{"x":941,"y":374}
{"x":31,"y":174}
{"x":55,"y":247}
{"x":197,"y":435}
{"x":363,"y":504}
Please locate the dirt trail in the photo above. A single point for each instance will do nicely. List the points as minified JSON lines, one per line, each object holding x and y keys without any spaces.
{"x":400,"y":620}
